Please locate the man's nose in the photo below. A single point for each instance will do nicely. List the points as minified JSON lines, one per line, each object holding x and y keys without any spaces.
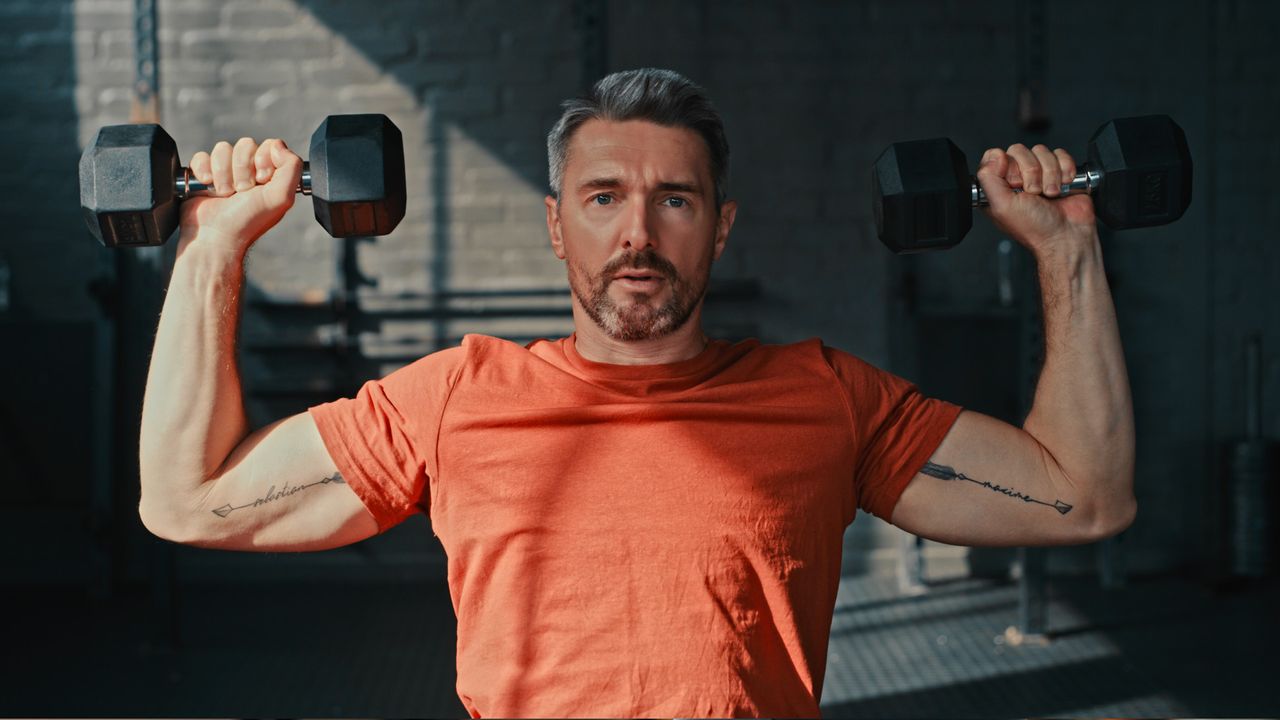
{"x":638,"y":232}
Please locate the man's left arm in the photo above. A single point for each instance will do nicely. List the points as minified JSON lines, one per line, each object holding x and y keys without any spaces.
{"x":1066,"y":476}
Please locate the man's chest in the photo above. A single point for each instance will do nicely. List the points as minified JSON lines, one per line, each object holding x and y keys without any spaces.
{"x":627,"y":466}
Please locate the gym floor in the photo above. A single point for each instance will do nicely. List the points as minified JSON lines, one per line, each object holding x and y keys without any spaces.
{"x":1160,"y":647}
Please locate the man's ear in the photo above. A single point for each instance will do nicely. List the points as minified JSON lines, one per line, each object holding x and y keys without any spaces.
{"x":553,"y":226}
{"x":728,"y":211}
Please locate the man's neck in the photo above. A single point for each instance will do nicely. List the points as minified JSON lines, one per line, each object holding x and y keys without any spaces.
{"x":593,"y":344}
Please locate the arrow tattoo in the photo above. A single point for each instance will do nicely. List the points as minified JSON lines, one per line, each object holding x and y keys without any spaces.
{"x":942,"y":472}
{"x":271,"y":495}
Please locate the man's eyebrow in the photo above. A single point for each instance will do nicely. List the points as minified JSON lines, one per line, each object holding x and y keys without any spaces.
{"x":611,"y":183}
{"x":600,"y":183}
{"x":680,"y":187}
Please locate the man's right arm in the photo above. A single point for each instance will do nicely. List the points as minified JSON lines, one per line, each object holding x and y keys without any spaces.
{"x":206,"y":480}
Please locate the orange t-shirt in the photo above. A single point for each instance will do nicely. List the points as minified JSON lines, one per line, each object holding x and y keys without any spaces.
{"x":637,"y":540}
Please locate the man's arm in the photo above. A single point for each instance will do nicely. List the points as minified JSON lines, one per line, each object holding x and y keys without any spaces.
{"x":192,"y":412}
{"x":195,"y":448}
{"x":1066,"y":476}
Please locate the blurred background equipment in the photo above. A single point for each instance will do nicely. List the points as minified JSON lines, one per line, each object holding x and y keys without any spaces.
{"x":1253,"y":474}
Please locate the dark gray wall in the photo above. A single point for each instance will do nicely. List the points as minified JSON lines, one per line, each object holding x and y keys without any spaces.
{"x":811,"y":92}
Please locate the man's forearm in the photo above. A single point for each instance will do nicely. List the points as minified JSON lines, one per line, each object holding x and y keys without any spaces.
{"x":1083,"y":409}
{"x":193,"y":413}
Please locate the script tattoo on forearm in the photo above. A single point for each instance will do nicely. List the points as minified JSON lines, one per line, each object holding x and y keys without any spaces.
{"x":273,"y":494}
{"x":942,"y":472}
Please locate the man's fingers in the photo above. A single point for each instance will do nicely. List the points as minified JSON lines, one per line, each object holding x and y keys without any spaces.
{"x":1050,"y":172}
{"x":200,"y":167}
{"x":220,"y":169}
{"x":262,"y":161}
{"x":265,"y":158}
{"x":1066,"y":164}
{"x":243,"y":174}
{"x":281,"y":154}
{"x":1028,"y":167}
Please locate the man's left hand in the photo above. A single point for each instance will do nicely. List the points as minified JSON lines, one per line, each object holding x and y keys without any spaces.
{"x":1036,"y":217}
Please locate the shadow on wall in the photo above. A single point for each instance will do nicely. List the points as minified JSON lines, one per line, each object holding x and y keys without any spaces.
{"x":489,"y":79}
{"x":489,"y":86}
{"x":78,"y":320}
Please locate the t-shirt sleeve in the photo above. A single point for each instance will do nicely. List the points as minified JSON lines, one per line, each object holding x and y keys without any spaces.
{"x":384,"y":439}
{"x":896,"y":429}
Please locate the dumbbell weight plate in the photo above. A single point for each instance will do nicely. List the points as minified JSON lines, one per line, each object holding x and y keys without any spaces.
{"x":921,"y":194}
{"x":1146,"y":171}
{"x":127,"y":193}
{"x":358,"y":175}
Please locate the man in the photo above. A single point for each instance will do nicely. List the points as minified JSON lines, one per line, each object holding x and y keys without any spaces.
{"x":639,"y":520}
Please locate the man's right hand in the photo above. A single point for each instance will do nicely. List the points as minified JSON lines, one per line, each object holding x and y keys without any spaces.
{"x":252,"y":187}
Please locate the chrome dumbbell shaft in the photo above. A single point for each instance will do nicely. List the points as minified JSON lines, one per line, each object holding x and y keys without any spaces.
{"x":1084,"y":183}
{"x":186,"y":184}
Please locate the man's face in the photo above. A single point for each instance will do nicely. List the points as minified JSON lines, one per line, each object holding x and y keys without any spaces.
{"x":637,"y":225}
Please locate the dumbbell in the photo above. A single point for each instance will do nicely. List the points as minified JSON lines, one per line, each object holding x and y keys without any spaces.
{"x":131,"y":183}
{"x":1138,"y":171}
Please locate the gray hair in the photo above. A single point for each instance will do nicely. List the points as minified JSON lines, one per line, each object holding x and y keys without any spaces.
{"x":660,"y":96}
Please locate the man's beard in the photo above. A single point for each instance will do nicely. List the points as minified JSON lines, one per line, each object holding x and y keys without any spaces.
{"x":638,"y":320}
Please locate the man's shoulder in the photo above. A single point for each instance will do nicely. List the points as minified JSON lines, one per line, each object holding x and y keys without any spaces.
{"x":808,"y":350}
{"x":798,"y":347}
{"x":447,"y":366}
{"x":477,"y":348}
{"x":807,"y":358}
{"x":477,"y":345}
{"x":813,"y":353}
{"x":480,"y":345}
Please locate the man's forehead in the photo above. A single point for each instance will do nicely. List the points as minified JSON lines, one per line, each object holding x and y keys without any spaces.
{"x":598,"y":145}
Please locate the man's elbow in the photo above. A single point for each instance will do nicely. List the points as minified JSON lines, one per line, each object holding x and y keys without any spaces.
{"x":161,"y":524}
{"x":1111,"y":521}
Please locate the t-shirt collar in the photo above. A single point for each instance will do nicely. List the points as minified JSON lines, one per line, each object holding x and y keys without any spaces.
{"x":659,"y":377}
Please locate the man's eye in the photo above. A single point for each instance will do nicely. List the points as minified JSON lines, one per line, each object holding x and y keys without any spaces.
{"x":602,"y":199}
{"x":676,"y":202}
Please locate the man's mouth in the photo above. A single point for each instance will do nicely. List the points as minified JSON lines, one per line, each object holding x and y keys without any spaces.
{"x":637,"y":275}
{"x":638,"y":279}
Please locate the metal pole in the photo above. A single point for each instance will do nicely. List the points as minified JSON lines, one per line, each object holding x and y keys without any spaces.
{"x":140,"y":278}
{"x":1032,"y":117}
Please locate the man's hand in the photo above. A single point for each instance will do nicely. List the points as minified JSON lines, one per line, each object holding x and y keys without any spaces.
{"x":1032,"y":217}
{"x":252,"y":188}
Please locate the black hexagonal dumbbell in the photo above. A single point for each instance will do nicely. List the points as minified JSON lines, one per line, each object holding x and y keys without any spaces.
{"x":131,"y":183}
{"x":1138,"y":171}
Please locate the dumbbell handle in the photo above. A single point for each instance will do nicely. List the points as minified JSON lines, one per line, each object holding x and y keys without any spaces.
{"x":1084,"y":183}
{"x":186,"y":184}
